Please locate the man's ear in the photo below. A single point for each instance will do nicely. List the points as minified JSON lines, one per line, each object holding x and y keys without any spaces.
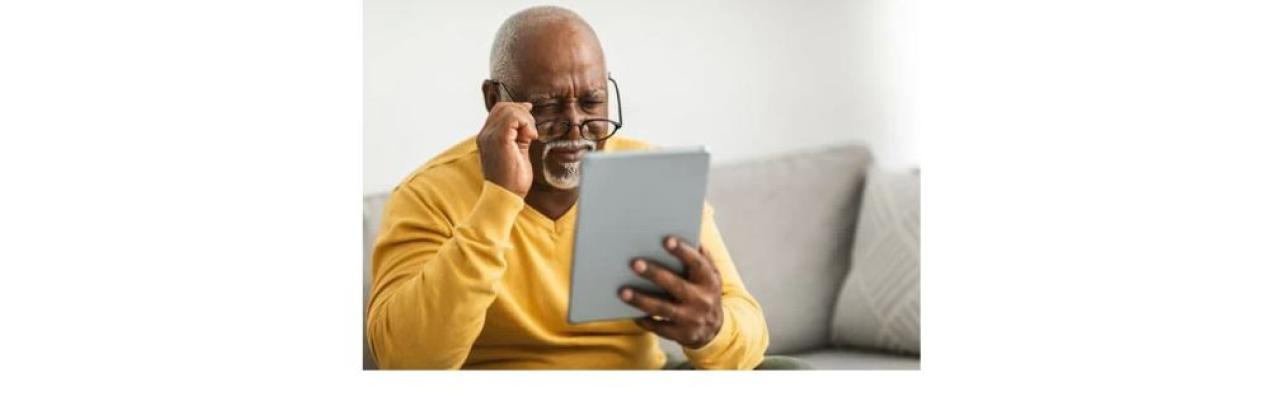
{"x":490,"y":91}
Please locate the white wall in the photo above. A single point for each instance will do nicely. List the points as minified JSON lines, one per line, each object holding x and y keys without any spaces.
{"x":747,"y":79}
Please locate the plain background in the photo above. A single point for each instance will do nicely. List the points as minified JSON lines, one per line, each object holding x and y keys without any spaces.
{"x":178,"y":226}
{"x":747,"y":79}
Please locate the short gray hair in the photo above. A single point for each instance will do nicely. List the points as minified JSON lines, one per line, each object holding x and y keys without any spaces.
{"x":502,"y":55}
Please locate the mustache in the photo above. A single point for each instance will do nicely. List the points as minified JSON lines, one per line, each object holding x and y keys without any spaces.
{"x":570,"y":144}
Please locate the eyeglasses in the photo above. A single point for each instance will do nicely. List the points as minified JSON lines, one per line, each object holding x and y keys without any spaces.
{"x":593,"y":129}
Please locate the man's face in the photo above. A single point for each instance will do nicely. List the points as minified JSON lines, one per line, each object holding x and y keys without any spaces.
{"x":562,"y":73}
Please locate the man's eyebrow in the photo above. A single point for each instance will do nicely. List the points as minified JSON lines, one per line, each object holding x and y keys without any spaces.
{"x":545,"y":96}
{"x":541,"y":96}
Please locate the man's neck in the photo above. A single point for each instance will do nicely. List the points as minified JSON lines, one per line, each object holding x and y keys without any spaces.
{"x":552,"y":203}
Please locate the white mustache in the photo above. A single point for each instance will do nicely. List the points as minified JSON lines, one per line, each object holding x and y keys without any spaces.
{"x":569,"y":177}
{"x":570,"y":144}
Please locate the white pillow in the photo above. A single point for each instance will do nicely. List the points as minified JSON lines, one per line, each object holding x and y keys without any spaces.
{"x":879,"y":304}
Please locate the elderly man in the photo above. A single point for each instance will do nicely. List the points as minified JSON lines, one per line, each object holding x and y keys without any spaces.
{"x":471,"y":265}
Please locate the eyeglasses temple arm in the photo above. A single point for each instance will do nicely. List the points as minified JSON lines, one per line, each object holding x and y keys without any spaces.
{"x":619,"y":94}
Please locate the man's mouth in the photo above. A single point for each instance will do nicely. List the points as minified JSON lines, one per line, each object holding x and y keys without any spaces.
{"x":567,"y":155}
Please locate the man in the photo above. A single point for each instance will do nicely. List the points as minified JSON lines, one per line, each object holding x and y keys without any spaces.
{"x":471,"y":265}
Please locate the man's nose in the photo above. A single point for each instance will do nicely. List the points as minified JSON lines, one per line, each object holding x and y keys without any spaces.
{"x":575,"y":116}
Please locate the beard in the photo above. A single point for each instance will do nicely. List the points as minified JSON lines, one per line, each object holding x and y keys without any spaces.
{"x":569,"y":176}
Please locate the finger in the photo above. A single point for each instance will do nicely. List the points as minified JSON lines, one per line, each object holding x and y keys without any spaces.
{"x":697,"y":265}
{"x":498,"y":113}
{"x":525,"y":129}
{"x":527,"y":133}
{"x":650,"y":305}
{"x":715,"y":272}
{"x":675,"y":285}
{"x":518,"y":115}
{"x":666,"y":329}
{"x":523,"y":106}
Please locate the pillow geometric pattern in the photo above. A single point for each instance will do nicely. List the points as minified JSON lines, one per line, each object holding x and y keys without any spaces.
{"x":879,"y":305}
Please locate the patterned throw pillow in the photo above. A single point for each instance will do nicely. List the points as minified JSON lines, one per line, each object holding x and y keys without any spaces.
{"x":879,"y":305}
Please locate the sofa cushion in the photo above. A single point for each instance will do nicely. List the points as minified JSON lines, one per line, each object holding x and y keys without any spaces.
{"x":837,"y":359}
{"x":879,"y":304}
{"x":372,"y":219}
{"x":788,"y":224}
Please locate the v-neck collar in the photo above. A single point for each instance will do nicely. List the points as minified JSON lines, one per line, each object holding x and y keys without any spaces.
{"x":568,"y":219}
{"x":558,"y":226}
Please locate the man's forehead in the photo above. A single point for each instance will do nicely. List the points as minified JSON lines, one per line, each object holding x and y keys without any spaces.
{"x":582,"y":78}
{"x":556,"y":68}
{"x":556,"y":39}
{"x":559,"y":56}
{"x":563,"y":88}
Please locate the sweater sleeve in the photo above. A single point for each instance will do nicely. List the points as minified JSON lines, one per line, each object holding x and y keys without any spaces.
{"x":743,"y":336}
{"x":433,"y":281}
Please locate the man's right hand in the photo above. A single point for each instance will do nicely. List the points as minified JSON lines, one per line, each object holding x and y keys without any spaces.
{"x":504,"y":146}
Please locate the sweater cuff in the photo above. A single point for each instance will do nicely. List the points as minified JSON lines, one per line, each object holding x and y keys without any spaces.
{"x":710,"y":352}
{"x":494,"y":213}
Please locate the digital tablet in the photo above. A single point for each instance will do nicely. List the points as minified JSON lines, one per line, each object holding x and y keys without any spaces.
{"x":627,"y":203}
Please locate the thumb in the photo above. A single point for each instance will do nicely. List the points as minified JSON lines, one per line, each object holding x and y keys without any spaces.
{"x":526,"y":133}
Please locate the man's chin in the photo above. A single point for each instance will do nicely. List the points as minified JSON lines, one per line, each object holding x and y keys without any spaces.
{"x":562,"y":176}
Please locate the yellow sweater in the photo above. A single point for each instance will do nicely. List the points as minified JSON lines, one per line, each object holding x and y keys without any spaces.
{"x":465,"y":275}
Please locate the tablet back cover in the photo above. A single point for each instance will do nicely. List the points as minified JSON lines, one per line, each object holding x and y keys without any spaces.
{"x":628,"y":202}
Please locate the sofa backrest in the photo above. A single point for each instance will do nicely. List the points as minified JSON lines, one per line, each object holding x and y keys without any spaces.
{"x":788,"y":222}
{"x":372,"y":219}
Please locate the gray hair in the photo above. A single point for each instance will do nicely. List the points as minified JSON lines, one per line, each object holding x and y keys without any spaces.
{"x":505,"y":43}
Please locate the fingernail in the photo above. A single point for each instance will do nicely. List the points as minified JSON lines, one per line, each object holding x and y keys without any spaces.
{"x":638,"y":266}
{"x":671,"y":243}
{"x":625,"y":294}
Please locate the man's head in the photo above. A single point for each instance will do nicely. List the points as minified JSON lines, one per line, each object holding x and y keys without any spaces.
{"x":550,"y":57}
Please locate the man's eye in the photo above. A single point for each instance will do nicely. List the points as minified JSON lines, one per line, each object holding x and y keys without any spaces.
{"x":592,"y":104}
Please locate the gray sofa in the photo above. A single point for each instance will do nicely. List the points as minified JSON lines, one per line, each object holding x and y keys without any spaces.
{"x":827,"y":243}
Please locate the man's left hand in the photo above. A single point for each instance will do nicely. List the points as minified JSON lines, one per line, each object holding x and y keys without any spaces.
{"x":692,"y":317}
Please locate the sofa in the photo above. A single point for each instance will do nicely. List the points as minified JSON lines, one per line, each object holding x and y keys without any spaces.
{"x":826,"y":241}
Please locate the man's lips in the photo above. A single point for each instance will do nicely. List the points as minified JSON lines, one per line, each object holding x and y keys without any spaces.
{"x":567,"y":155}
